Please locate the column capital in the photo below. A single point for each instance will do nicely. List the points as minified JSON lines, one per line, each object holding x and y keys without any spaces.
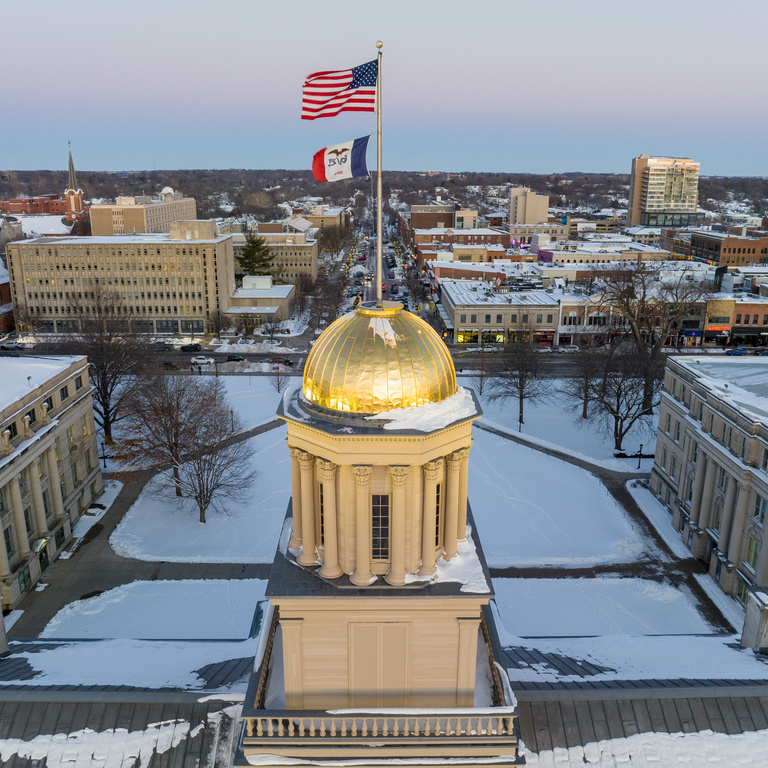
{"x":327,"y":470}
{"x":453,"y":460}
{"x":306,"y":461}
{"x":362,"y":473}
{"x":462,"y":453}
{"x":295,"y":452}
{"x":431,"y":469}
{"x":398,"y":473}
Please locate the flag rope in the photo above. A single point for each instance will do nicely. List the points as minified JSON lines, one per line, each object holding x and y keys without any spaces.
{"x":379,"y":298}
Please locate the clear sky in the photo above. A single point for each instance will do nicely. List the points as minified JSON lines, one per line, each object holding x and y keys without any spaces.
{"x":490,"y":85}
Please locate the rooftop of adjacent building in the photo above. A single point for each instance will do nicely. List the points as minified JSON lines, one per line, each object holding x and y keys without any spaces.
{"x":481,"y":293}
{"x":742,"y":383}
{"x":22,"y":375}
{"x":457,"y":231}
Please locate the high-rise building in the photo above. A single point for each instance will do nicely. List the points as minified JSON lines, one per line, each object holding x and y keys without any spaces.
{"x":663,"y":191}
{"x":527,"y":206}
{"x":142,"y":213}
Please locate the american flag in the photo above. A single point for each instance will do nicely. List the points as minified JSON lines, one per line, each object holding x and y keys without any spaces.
{"x":325,"y":94}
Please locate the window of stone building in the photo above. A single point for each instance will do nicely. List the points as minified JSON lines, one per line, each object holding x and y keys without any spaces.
{"x":753,"y":553}
{"x":513,"y":319}
{"x":79,"y":379}
{"x":380,"y":527}
{"x":668,"y":423}
{"x":525,"y":318}
{"x":664,"y":459}
{"x":64,"y":393}
{"x":462,"y":318}
{"x":673,"y":467}
{"x":473,"y":318}
{"x":24,"y":578}
{"x":758,"y":513}
{"x":28,"y":519}
{"x":689,"y":491}
{"x":12,"y":429}
{"x":677,"y":431}
{"x":10,"y":548}
{"x":32,"y":416}
{"x":438,"y":494}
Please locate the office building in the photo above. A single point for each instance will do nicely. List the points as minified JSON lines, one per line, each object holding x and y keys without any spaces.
{"x":142,"y":213}
{"x":663,"y":191}
{"x":166,"y":283}
{"x":527,"y":206}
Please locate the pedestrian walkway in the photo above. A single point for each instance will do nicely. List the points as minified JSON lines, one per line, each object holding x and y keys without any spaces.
{"x":95,"y":568}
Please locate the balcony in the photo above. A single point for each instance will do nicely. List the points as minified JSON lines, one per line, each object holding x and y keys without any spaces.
{"x":482,"y":735}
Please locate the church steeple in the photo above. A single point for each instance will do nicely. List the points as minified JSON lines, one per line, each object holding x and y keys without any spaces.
{"x":72,"y":181}
{"x":73,"y":194}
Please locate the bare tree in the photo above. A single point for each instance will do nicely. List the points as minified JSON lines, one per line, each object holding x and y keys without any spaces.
{"x":162,"y":422}
{"x":218,"y":321}
{"x":279,"y":377}
{"x":270,"y":328}
{"x":651,"y":301}
{"x":334,"y":239}
{"x":618,"y":395}
{"x":481,"y":376}
{"x":590,"y":364}
{"x":304,"y":286}
{"x":115,"y":354}
{"x":517,"y":374}
{"x":217,"y":469}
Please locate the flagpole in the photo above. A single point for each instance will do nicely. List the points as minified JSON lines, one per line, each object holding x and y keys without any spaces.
{"x":379,"y":299}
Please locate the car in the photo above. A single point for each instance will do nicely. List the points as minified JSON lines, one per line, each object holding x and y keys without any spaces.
{"x":281,"y":361}
{"x":762,"y":351}
{"x":565,"y":349}
{"x":190,"y":348}
{"x":357,"y":282}
{"x":202,"y":360}
{"x":736,"y":351}
{"x":544,"y":348}
{"x":12,"y":345}
{"x":235,"y":358}
{"x":395,"y":290}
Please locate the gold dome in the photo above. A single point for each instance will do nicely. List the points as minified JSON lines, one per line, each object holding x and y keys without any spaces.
{"x":377,"y":359}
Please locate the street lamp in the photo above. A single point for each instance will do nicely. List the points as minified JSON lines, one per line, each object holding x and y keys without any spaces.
{"x":639,"y":455}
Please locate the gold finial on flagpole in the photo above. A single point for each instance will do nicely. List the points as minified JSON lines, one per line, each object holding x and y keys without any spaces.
{"x":379,"y":44}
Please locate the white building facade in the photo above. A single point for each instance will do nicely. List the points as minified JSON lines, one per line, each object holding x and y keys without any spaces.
{"x":49,"y":465}
{"x":711,"y":465}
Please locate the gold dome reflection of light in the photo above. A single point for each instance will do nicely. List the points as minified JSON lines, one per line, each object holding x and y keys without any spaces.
{"x":378,"y":359}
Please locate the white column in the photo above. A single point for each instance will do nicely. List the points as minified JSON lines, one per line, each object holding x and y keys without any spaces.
{"x":739,"y":519}
{"x":307,"y":465}
{"x":295,"y":542}
{"x":37,"y":500}
{"x":330,"y":568}
{"x":362,"y":574}
{"x":725,"y":522}
{"x":451,"y":505}
{"x":18,"y":517}
{"x":430,"y":471}
{"x":396,"y":575}
{"x":54,"y":483}
{"x":702,"y":508}
{"x":461,"y":531}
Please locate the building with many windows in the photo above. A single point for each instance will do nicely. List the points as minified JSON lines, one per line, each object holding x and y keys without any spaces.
{"x":49,"y":464}
{"x":711,"y":465}
{"x":142,"y":213}
{"x":663,"y":192}
{"x":527,"y":206}
{"x":166,"y":283}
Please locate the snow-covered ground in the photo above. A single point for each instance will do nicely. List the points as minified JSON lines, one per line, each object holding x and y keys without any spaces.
{"x":253,"y":398}
{"x":159,"y":528}
{"x":553,"y":422}
{"x":163,"y":610}
{"x":532,"y":509}
{"x":602,"y":606}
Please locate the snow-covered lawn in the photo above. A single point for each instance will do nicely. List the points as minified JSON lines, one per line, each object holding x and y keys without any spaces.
{"x":532,"y":509}
{"x":156,"y":528}
{"x":253,"y":398}
{"x":163,"y":610}
{"x":602,"y":606}
{"x":554,"y":422}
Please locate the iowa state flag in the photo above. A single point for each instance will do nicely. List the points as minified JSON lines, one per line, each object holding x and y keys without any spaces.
{"x":341,"y":161}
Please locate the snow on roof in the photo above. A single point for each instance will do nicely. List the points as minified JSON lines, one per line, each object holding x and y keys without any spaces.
{"x":252,"y":310}
{"x":457,"y":231}
{"x":140,"y":237}
{"x":21,"y":375}
{"x":481,"y":293}
{"x":742,"y":384}
{"x":431,"y":416}
{"x":4,"y":276}
{"x":34,"y":225}
{"x":299,"y":223}
{"x":275,"y":292}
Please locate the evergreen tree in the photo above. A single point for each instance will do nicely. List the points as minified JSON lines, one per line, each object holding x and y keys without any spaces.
{"x":257,"y":258}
